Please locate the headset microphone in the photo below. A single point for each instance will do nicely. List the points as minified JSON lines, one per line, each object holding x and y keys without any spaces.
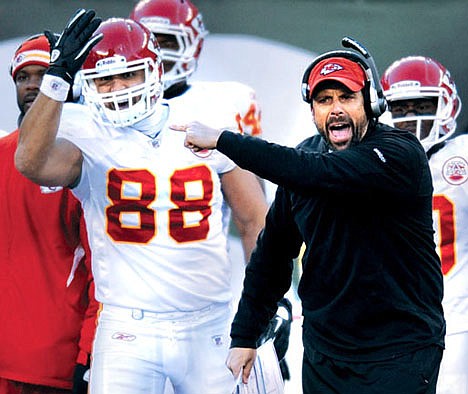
{"x":379,"y":102}
{"x":349,"y":42}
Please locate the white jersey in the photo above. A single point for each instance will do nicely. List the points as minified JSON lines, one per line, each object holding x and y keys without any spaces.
{"x":231,"y":105}
{"x":153,"y":214}
{"x":449,"y":167}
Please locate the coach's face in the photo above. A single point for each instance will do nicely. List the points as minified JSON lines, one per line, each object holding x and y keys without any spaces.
{"x":339,"y":115}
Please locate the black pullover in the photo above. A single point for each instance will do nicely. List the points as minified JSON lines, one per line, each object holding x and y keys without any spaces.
{"x":371,"y":286}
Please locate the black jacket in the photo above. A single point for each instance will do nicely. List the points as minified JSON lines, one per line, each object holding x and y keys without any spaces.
{"x":371,"y":286}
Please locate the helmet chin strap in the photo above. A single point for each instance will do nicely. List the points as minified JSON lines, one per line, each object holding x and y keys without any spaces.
{"x":152,"y":125}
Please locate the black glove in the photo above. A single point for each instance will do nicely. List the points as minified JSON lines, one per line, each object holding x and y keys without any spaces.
{"x":69,"y":51}
{"x":284,"y":319}
{"x":80,"y":380}
{"x":279,"y":329}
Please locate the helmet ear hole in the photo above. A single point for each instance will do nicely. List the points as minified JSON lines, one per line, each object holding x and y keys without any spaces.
{"x":181,"y":20}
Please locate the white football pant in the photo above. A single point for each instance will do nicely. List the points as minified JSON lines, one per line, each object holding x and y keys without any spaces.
{"x":135,"y":351}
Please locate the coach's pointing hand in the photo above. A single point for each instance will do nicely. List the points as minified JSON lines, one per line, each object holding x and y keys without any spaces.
{"x":199,"y":136}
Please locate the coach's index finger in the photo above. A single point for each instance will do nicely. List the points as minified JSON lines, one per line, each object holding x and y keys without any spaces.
{"x":178,"y":127}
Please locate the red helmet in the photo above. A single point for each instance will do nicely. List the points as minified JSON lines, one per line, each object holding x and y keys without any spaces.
{"x":180,"y":19}
{"x":418,"y":77}
{"x":127,"y":46}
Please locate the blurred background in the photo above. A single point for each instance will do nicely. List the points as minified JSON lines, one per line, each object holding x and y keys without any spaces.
{"x":389,"y":28}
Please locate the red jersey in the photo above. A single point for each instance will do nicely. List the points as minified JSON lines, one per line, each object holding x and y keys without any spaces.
{"x":43,"y":326}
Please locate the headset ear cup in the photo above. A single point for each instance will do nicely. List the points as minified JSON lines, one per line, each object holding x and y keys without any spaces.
{"x":381,"y":101}
{"x":305,"y":83}
{"x":367,"y":102}
{"x":383,"y":105}
{"x":374,"y":100}
{"x":377,"y":99}
{"x":378,"y":102}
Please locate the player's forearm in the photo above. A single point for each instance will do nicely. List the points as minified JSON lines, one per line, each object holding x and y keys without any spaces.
{"x":248,"y":234}
{"x":251,"y":220}
{"x":40,"y":156}
{"x":37,"y":137}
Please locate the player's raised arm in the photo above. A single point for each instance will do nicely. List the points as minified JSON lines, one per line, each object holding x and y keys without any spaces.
{"x":40,"y":156}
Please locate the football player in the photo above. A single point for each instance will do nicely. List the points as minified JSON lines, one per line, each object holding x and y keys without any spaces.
{"x":153,"y":210}
{"x":180,"y":31}
{"x":423,"y":98}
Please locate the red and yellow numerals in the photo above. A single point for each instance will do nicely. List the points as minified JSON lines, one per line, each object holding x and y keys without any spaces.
{"x":131,"y":192}
{"x":191,"y":191}
{"x":250,"y":120}
{"x":131,"y":218}
{"x":444,"y":210}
